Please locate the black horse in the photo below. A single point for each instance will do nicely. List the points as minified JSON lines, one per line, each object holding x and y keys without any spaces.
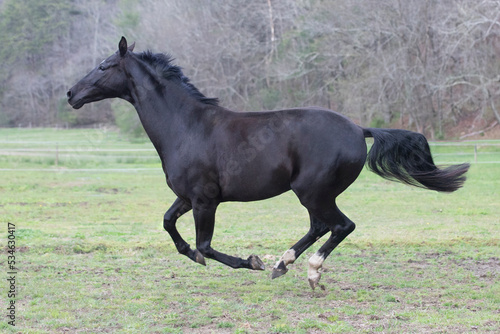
{"x":211,"y":155}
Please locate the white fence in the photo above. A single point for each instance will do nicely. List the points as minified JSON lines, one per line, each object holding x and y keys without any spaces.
{"x":487,"y":152}
{"x":50,"y":155}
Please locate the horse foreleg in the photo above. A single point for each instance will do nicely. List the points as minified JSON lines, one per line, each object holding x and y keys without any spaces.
{"x":316,"y":231}
{"x":177,"y":209}
{"x":204,"y":217}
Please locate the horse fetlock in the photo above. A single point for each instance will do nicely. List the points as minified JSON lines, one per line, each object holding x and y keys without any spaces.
{"x":313,"y":274}
{"x":280,"y":268}
{"x":256,"y":263}
{"x":183,"y":248}
{"x":314,"y":280}
{"x":289,"y":257}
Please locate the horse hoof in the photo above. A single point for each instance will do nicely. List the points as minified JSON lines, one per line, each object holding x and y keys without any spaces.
{"x":256,"y":263}
{"x":314,"y":281}
{"x":277,"y":272}
{"x":199,"y":257}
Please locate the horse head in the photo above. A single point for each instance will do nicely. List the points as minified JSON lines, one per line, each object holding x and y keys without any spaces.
{"x":107,"y":80}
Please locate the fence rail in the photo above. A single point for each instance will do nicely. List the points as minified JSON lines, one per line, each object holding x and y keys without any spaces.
{"x":84,"y":158}
{"x":474,"y":152}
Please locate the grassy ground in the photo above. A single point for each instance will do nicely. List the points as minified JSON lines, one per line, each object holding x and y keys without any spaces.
{"x":93,"y":256}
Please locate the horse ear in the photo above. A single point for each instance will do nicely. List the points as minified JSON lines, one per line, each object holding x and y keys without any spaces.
{"x":122,"y":46}
{"x":131,"y":48}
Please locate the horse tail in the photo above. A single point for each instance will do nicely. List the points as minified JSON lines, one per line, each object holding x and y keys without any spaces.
{"x":405,"y":156}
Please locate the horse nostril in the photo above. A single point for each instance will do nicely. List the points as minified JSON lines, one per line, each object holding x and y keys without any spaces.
{"x":69,"y":94}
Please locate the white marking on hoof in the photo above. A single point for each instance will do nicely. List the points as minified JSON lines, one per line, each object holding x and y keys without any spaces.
{"x":287,"y":258}
{"x":313,"y":274}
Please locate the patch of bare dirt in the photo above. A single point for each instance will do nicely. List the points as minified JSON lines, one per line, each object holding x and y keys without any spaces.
{"x":487,"y":269}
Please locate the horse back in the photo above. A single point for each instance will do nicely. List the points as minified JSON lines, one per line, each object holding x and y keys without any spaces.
{"x":259,"y":154}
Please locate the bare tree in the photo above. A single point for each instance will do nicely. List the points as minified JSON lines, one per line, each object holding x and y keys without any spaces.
{"x":421,"y":63}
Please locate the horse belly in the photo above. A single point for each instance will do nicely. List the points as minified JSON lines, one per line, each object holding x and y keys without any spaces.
{"x":253,"y":182}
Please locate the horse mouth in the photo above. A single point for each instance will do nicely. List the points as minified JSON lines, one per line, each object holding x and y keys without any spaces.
{"x":76,"y":104}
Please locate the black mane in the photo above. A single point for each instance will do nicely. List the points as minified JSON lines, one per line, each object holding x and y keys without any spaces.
{"x":163,"y":64}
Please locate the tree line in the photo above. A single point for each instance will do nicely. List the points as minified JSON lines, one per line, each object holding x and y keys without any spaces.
{"x":418,"y":64}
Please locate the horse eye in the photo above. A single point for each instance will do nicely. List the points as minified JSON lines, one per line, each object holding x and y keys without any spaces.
{"x":101,"y":68}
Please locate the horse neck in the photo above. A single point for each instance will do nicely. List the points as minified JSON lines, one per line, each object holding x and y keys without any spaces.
{"x":166,"y":109}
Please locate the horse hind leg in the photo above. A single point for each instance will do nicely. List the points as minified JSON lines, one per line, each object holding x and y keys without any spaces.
{"x":316,"y":231}
{"x":341,"y":227}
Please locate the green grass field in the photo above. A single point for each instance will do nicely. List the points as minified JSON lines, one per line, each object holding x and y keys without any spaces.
{"x":93,"y":257}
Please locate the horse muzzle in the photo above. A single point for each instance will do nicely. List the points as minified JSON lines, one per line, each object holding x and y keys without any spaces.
{"x":75,"y":103}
